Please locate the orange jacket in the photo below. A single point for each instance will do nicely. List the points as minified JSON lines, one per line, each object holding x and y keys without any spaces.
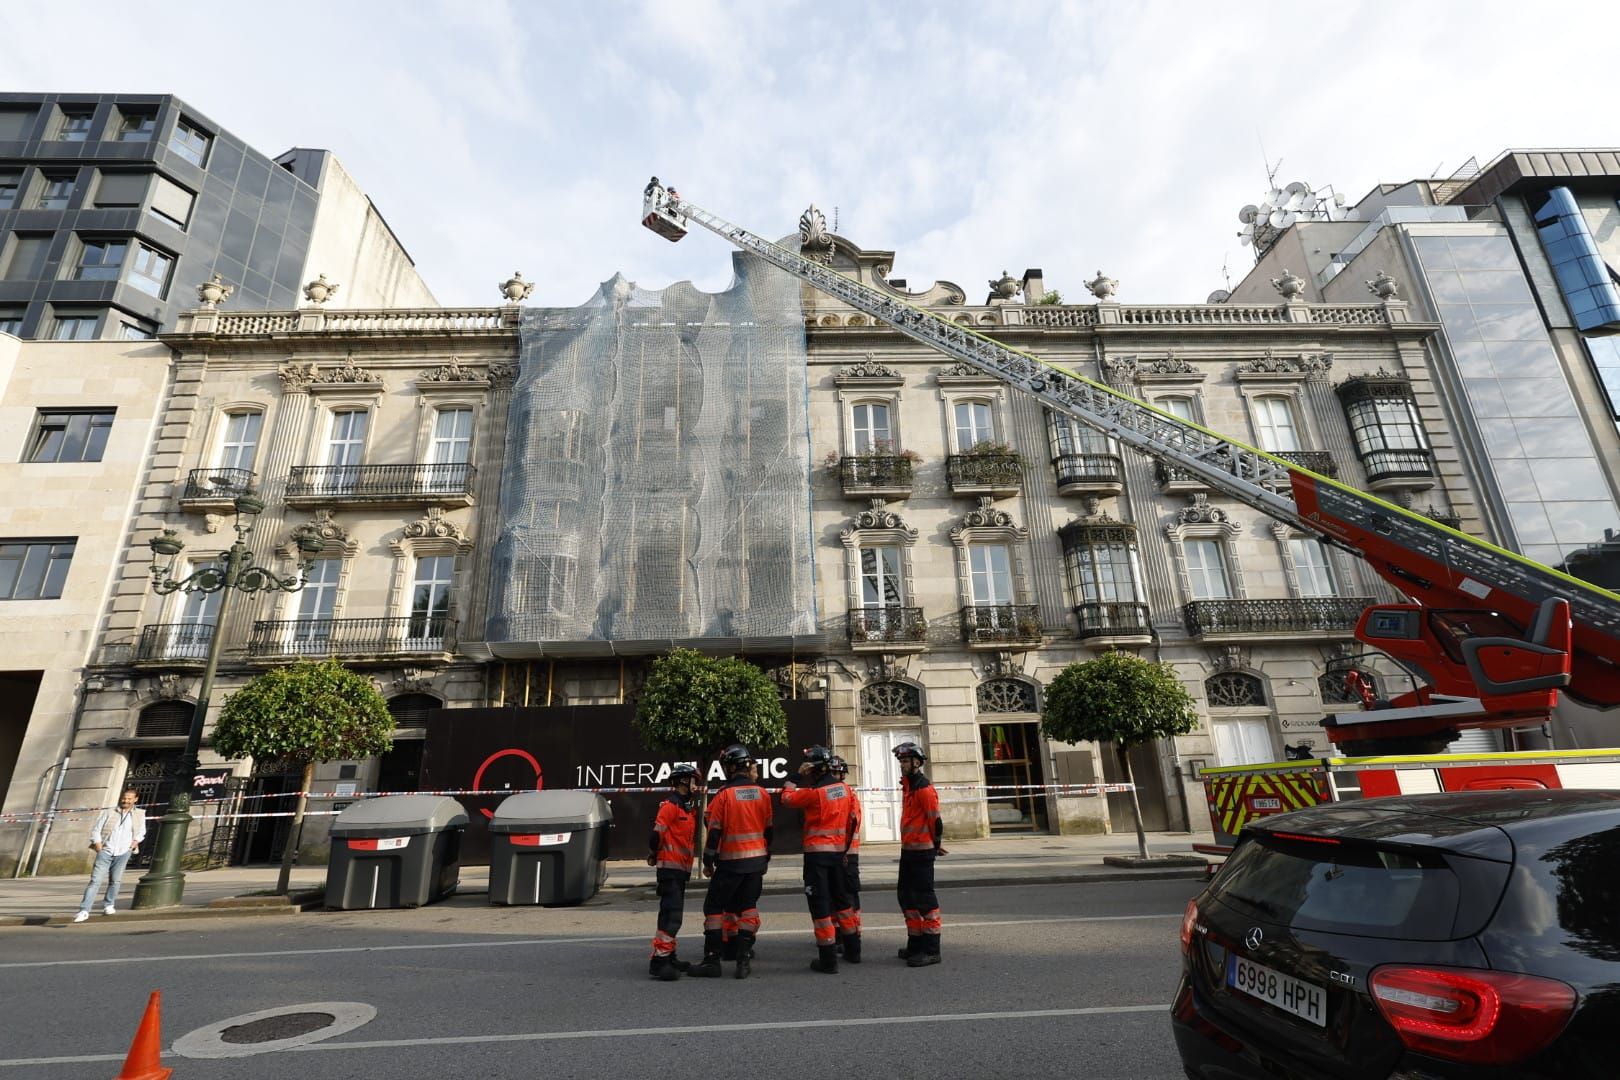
{"x":674,"y":836}
{"x":829,"y":815}
{"x":739,"y":821}
{"x":920,"y":825}
{"x":855,"y":822}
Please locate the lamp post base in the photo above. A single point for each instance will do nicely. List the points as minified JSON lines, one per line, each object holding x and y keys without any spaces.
{"x":165,"y":883}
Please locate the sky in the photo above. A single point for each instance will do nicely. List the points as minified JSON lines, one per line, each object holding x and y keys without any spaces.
{"x":967,"y":138}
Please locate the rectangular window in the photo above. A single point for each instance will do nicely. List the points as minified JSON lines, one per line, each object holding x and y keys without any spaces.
{"x":74,"y":328}
{"x":75,"y":126}
{"x":1069,"y":436}
{"x":26,"y":259}
{"x":881,"y":584}
{"x":317,"y":601}
{"x":149,"y":271}
{"x":1206,"y":570}
{"x":118,"y":189}
{"x":1274,"y":423}
{"x":69,"y":435}
{"x":136,"y":331}
{"x":1311,"y":563}
{"x":189,"y":142}
{"x":1106,"y":573}
{"x":1180,"y":407}
{"x":137,"y":127}
{"x":239,"y":440}
{"x":199,"y":610}
{"x":553,"y":578}
{"x":34,"y":569}
{"x":870,"y":428}
{"x":430,"y":600}
{"x":452,"y":437}
{"x":10,"y":184}
{"x":11,"y":320}
{"x":990,"y":573}
{"x":172,"y":203}
{"x":55,"y":190}
{"x":101,"y":260}
{"x":15,"y":123}
{"x":973,"y":425}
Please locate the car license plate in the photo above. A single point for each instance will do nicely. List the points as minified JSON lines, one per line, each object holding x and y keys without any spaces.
{"x":1302,"y":999}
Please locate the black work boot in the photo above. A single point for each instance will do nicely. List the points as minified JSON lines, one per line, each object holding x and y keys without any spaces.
{"x":728,"y":951}
{"x":912,"y":947}
{"x":852,"y":948}
{"x":826,"y":960}
{"x":708,"y":968}
{"x":663,"y":969}
{"x":682,"y":966}
{"x":745,"y":955}
{"x":927,"y":954}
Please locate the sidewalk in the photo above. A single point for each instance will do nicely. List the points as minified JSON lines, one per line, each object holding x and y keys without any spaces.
{"x":1000,"y":860}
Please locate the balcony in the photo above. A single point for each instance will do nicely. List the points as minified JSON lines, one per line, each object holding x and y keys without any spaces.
{"x":419,"y":638}
{"x":998,"y":474}
{"x":865,"y":475}
{"x":1316,"y":617}
{"x":888,"y":629}
{"x":214,"y":489}
{"x":1089,"y":474}
{"x":1105,"y":624}
{"x":999,"y":626}
{"x":174,"y":645}
{"x":1173,"y":480}
{"x":1390,"y":469}
{"x":448,"y":485}
{"x":1317,"y":461}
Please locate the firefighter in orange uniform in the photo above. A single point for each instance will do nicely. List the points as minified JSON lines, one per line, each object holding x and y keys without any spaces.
{"x":851,"y":868}
{"x":735,"y":855}
{"x":828,"y":823}
{"x":921,"y":835}
{"x":673,"y":843}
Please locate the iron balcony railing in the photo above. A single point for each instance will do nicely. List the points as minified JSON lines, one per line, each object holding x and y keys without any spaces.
{"x":1112,"y":619}
{"x":1397,"y":464}
{"x":1003,"y":471}
{"x":381,"y":481}
{"x":862,"y":474}
{"x":410,"y":635}
{"x":174,"y":643}
{"x":1088,"y":469}
{"x":1002,"y":623}
{"x":887,"y":624}
{"x":1291,"y":616}
{"x":217,"y":483}
{"x":1318,"y":461}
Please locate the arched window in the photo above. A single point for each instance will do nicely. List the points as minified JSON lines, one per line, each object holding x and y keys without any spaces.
{"x":164,"y":719}
{"x":891,"y":699}
{"x":1235,"y":690}
{"x":411,"y":710}
{"x":1006,"y":696}
{"x":1335,"y":691}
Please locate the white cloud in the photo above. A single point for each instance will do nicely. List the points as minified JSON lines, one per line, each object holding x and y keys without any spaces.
{"x":1071,"y":137}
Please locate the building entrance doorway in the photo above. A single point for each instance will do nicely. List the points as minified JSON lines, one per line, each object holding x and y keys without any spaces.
{"x":1013,"y":776}
{"x":1150,"y":793}
{"x":152,"y":775}
{"x":18,"y":689}
{"x":262,"y":839}
{"x":880,"y":809}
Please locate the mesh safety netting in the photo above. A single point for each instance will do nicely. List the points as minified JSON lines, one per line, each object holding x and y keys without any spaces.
{"x":657,"y":486}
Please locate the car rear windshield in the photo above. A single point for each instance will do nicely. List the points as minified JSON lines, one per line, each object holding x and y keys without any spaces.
{"x":1343,"y":888}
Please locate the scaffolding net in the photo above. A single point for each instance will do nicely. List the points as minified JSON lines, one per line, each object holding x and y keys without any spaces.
{"x":657,"y":485}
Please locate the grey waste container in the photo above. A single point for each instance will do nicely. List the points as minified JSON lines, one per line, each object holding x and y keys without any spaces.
{"x":548,"y":847}
{"x":395,"y":851}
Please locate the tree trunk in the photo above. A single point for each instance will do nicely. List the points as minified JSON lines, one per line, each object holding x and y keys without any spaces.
{"x":1136,"y":808}
{"x":294,"y":834}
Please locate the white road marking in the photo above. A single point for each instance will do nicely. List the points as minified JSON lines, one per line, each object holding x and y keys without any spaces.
{"x":700,"y":1029}
{"x":526,"y":942}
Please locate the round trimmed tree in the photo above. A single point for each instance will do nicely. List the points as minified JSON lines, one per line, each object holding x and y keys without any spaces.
{"x":1121,"y":699}
{"x":308,"y":714}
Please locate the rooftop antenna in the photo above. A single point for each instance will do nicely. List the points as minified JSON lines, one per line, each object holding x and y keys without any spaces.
{"x":1225,"y":273}
{"x":835,"y":219}
{"x":1265,"y":160}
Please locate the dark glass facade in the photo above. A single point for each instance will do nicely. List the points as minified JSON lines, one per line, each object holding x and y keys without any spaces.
{"x":1583,"y":277}
{"x":123,"y":204}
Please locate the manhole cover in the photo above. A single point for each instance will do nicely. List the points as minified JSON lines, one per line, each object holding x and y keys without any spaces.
{"x":272,"y":1028}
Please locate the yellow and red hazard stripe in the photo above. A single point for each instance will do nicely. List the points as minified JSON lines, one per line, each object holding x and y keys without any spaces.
{"x":1234,"y":801}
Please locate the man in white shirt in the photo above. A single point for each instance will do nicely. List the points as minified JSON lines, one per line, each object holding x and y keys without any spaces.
{"x":114,"y":837}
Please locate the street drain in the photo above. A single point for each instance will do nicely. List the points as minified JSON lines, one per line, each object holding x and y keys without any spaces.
{"x":273,"y":1028}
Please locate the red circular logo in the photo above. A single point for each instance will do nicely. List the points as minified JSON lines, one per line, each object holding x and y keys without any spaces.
{"x":478,"y":777}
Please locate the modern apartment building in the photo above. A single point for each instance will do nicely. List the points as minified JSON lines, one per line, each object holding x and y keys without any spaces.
{"x":114,"y":208}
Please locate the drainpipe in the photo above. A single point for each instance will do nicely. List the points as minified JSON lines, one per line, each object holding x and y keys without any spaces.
{"x":61,"y":768}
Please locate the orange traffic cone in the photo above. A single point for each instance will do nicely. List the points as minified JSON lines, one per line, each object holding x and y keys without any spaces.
{"x":145,"y":1060}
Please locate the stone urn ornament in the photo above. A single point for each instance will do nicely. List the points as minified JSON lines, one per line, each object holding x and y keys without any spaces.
{"x":214,"y":291}
{"x":320,"y":290}
{"x":1291,"y":286}
{"x":1005,"y":287}
{"x":515,"y":289}
{"x":1384,"y":287}
{"x":1102,"y":286}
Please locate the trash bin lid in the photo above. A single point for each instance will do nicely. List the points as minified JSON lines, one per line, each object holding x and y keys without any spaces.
{"x":399,"y":815}
{"x":532,"y":809}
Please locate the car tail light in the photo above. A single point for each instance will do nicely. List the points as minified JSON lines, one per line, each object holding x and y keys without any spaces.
{"x":1481,"y":1017}
{"x":1188,"y":921}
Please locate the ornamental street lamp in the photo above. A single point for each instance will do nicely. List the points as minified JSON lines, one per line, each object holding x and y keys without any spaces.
{"x":164,"y":883}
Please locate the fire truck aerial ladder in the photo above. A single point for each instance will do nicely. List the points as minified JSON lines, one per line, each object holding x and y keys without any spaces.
{"x":1492,"y":636}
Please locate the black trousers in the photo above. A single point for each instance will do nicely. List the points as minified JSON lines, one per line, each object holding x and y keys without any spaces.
{"x":671,"y":909}
{"x":731,"y":906}
{"x":918,"y":901}
{"x":830,"y":909}
{"x":852,"y":880}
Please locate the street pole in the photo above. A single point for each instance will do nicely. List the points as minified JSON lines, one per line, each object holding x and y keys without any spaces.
{"x":165,"y":883}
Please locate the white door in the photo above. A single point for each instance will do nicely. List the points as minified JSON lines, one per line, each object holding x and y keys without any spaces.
{"x":430,"y":602}
{"x":199,"y":612}
{"x":345,"y":448}
{"x":452,"y":449}
{"x":1311,"y":564}
{"x":316,"y":603}
{"x":1244,"y":741}
{"x":880,"y":809}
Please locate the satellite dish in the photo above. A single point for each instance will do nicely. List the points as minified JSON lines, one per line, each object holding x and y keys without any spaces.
{"x":1219,"y":296}
{"x":1275,"y":196}
{"x":1248,"y":214}
{"x":1296,"y":193}
{"x":1288,"y":219}
{"x":1245,"y":238}
{"x":1277,"y":219}
{"x":1338,"y":200}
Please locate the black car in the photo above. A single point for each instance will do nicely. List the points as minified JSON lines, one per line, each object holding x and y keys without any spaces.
{"x":1474,"y":934}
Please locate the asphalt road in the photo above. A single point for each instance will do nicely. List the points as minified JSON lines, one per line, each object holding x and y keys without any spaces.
{"x":1038,"y":981}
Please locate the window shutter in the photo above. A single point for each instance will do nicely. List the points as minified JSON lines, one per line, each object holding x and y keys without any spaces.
{"x":122,"y":188}
{"x":165,"y":718}
{"x":411,"y":710}
{"x":172,"y":201}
